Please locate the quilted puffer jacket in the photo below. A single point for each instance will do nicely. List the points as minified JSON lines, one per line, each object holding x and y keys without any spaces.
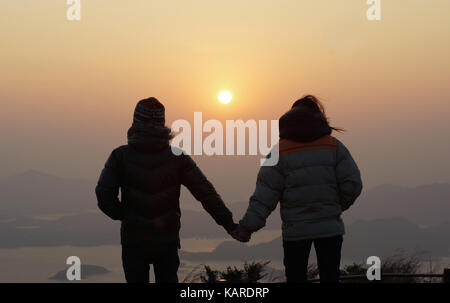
{"x":149,"y":176}
{"x":314,"y":182}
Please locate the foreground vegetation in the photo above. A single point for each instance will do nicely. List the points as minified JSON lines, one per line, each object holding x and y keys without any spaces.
{"x":255,"y":272}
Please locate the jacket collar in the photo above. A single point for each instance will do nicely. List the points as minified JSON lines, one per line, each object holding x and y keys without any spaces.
{"x":148,"y":137}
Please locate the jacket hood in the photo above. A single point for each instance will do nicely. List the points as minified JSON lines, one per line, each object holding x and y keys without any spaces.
{"x":149,"y":137}
{"x":303,"y":126}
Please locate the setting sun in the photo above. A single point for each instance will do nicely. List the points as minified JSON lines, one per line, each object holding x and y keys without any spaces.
{"x":225,"y":97}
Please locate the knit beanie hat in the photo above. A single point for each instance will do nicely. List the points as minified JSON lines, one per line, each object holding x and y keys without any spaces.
{"x":151,"y":111}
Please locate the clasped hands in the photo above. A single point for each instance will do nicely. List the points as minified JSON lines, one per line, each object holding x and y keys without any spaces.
{"x":240,"y":234}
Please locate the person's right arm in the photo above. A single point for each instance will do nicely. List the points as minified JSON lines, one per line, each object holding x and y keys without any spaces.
{"x":348,"y":177}
{"x":269,"y":188}
{"x":107,"y":189}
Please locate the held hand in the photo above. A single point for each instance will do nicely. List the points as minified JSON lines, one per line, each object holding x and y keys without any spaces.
{"x":241,"y":235}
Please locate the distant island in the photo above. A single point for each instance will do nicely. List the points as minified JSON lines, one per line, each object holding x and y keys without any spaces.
{"x":86,"y":272}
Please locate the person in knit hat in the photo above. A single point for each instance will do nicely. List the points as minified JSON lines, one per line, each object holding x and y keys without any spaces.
{"x":149,"y":176}
{"x":151,"y":111}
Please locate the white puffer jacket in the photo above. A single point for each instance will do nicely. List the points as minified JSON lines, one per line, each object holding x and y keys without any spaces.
{"x":314,"y":182}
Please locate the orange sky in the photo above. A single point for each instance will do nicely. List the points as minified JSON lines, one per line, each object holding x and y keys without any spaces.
{"x":67,"y":89}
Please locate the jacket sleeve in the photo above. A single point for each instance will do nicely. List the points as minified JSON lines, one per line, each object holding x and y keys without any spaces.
{"x":199,"y":186}
{"x":107,"y":189}
{"x":348,"y":177}
{"x":268,"y":192}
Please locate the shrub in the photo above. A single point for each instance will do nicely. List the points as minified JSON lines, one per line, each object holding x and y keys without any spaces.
{"x":251,"y":273}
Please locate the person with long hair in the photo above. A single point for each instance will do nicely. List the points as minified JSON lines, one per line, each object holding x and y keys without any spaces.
{"x":315,"y":180}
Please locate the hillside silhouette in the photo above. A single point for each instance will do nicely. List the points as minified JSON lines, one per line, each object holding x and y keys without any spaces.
{"x":381,"y":237}
{"x":38,"y":209}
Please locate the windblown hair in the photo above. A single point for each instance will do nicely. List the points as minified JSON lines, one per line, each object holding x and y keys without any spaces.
{"x":306,"y":121}
{"x":313,"y":104}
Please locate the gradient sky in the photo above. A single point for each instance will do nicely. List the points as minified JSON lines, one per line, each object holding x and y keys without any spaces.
{"x":68,"y":89}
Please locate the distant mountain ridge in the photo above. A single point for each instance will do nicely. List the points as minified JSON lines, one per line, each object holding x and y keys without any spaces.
{"x":382,"y":237}
{"x":34,"y":193}
{"x":425,"y":204}
{"x":38,"y":209}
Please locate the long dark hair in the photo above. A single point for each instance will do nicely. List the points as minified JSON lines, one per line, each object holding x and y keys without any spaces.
{"x":312,"y":104}
{"x":306,"y":121}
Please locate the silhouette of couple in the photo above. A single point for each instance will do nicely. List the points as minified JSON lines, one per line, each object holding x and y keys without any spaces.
{"x":315,"y":180}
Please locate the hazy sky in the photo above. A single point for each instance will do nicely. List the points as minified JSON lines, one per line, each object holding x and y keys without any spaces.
{"x":68,"y":89}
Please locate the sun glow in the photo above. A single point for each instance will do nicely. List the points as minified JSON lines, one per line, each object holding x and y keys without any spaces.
{"x":225,"y":97}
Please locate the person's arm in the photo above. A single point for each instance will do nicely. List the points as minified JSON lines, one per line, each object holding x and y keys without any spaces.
{"x":199,"y":186}
{"x":348,"y":177}
{"x":269,"y":188}
{"x":107,"y":189}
